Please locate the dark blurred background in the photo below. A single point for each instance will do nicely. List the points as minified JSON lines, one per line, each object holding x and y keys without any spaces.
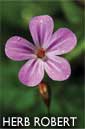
{"x":68,"y":96}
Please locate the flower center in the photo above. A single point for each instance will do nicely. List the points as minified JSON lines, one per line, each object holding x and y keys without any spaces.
{"x":40,"y":53}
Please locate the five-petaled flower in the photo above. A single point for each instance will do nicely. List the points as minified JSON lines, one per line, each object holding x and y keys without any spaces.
{"x":44,"y":55}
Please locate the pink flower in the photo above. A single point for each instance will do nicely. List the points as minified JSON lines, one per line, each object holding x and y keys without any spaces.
{"x":44,"y":55}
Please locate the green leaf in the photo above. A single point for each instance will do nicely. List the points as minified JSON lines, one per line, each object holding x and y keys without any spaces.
{"x":38,"y":8}
{"x":72,"y":12}
{"x":77,"y":51}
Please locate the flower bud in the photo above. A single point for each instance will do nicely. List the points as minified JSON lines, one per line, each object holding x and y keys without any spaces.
{"x":45,"y":92}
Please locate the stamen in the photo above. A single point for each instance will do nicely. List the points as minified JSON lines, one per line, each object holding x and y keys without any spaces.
{"x":40,"y":53}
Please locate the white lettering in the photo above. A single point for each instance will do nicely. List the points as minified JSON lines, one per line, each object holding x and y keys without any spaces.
{"x":53,"y":121}
{"x":66,"y":121}
{"x":73,"y":120}
{"x":27,"y":122}
{"x":42,"y":121}
{"x":13,"y":121}
{"x":6,"y":121}
{"x":36,"y":121}
{"x":59,"y":120}
{"x":19,"y":121}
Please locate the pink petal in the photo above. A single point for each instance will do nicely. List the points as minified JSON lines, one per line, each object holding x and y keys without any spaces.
{"x":41,"y":28}
{"x":62,"y":41}
{"x":18,"y":48}
{"x":32,"y":73}
{"x":57,"y":68}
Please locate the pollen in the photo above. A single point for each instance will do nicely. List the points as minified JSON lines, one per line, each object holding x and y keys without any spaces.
{"x":40,"y":53}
